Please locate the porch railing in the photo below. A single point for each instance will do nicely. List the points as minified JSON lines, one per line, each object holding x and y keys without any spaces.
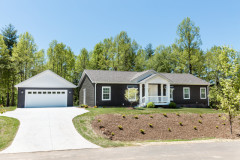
{"x":155,"y":99}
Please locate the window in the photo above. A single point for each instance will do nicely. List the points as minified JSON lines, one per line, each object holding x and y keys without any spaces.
{"x":203,"y":93}
{"x":49,"y":92}
{"x":171,"y":94}
{"x":58,"y":92}
{"x":34,"y":92}
{"x":39,"y":92}
{"x":29,"y":92}
{"x":106,"y":93}
{"x":44,"y":92}
{"x":63,"y":92}
{"x":53,"y":92}
{"x":132,"y":94}
{"x":186,"y":93}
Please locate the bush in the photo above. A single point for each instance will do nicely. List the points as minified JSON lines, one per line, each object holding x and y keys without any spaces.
{"x":136,"y":117}
{"x":150,"y":105}
{"x":95,"y":106}
{"x":169,"y":129}
{"x":180,"y":123}
{"x":99,"y":120}
{"x":217,"y":127}
{"x":120,"y":127}
{"x":142,"y":131}
{"x":113,"y":134}
{"x":200,"y":121}
{"x":224,"y":124}
{"x":172,"y":105}
{"x":201,"y":116}
{"x":123,"y":116}
{"x":165,"y":115}
{"x":151,"y":116}
{"x":219,"y":115}
{"x":178,"y":114}
{"x":150,"y":125}
{"x":195,"y":127}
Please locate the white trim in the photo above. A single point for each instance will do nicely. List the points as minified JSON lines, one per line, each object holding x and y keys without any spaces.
{"x":201,"y":93}
{"x":171,"y":92}
{"x":84,"y":96}
{"x":184,"y":93}
{"x":109,"y":87}
{"x":190,"y":84}
{"x":152,"y":76}
{"x":95,"y":94}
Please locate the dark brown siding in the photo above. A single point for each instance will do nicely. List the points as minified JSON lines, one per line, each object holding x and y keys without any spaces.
{"x":194,"y":101}
{"x":89,"y":86}
{"x":117,"y":95}
{"x":21,"y":95}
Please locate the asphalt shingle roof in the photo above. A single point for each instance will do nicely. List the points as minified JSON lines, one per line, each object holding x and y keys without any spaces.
{"x":103,"y":76}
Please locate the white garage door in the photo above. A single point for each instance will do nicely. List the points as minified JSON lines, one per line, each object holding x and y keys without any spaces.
{"x":46,"y":98}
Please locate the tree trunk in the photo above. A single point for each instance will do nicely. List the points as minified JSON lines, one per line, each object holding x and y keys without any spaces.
{"x":230,"y":121}
{"x":3,"y":103}
{"x":8,"y":99}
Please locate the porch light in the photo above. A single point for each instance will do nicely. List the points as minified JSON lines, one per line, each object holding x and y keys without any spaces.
{"x":70,"y":92}
{"x":22,"y":92}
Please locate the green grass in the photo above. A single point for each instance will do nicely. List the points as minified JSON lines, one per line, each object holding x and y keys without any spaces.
{"x":9,"y":108}
{"x":8,"y":130}
{"x":83,"y":122}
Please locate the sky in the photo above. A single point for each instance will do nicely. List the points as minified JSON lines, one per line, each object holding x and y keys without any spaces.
{"x":82,"y":24}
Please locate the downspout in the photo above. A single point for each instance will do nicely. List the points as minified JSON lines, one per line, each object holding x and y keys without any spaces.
{"x":95,"y":90}
{"x":208,"y":94}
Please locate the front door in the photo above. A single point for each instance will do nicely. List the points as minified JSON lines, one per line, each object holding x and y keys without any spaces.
{"x":153,"y":90}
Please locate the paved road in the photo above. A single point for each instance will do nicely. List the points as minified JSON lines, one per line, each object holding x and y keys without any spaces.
{"x":46,"y":129}
{"x":187,"y":151}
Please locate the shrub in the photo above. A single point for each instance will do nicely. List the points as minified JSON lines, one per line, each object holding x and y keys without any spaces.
{"x":178,"y":114}
{"x":172,"y":105}
{"x":99,"y":120}
{"x":217,"y":127}
{"x":136,"y":117}
{"x":169,"y":129}
{"x":201,"y":116}
{"x":200,"y":121}
{"x":120,"y":127}
{"x":113,"y":134}
{"x":123,"y":116}
{"x":224,"y":124}
{"x":195,"y":127}
{"x":142,"y":131}
{"x":150,"y":125}
{"x":95,"y":106}
{"x":150,"y":105}
{"x":151,"y":116}
{"x":165,"y":115}
{"x":2,"y":110}
{"x":219,"y":115}
{"x":180,"y":123}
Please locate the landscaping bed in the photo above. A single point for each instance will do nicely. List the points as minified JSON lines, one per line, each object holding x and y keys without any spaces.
{"x":8,"y":130}
{"x":160,"y":126}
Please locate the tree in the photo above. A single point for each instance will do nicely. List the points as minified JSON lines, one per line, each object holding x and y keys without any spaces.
{"x":140,"y":60}
{"x":82,"y":61}
{"x":189,"y":41}
{"x":10,"y":38}
{"x":131,"y":95}
{"x":227,"y":93}
{"x":149,"y":51}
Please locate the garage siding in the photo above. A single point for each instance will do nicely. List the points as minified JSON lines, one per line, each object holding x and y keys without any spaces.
{"x":89,"y":86}
{"x":21,"y":95}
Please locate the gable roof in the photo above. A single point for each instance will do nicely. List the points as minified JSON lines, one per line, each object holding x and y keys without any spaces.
{"x":46,"y":79}
{"x":129,"y":77}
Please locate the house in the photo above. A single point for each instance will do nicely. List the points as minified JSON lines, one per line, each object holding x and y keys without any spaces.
{"x":107,"y":88}
{"x":46,"y":89}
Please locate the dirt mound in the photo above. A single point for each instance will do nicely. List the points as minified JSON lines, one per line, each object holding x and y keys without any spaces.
{"x":164,"y":127}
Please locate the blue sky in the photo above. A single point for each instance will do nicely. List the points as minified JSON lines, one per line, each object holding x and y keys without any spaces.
{"x":81,"y":24}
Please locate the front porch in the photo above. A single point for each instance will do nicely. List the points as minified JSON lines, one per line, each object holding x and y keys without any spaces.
{"x":154,"y":89}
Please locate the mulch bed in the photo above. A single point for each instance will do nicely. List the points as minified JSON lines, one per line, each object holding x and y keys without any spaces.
{"x":165,"y":128}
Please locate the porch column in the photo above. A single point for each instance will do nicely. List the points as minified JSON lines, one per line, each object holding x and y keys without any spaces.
{"x":168,"y":92}
{"x":146,"y":93}
{"x":140,"y":94}
{"x":161,"y":92}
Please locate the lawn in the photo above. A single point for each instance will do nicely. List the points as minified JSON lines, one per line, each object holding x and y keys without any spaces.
{"x":8,"y":130}
{"x":10,"y":108}
{"x":84,"y":126}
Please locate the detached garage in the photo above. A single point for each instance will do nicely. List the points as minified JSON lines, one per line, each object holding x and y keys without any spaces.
{"x":47,"y":89}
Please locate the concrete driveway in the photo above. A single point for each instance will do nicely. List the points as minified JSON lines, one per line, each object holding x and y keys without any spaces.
{"x":47,"y":129}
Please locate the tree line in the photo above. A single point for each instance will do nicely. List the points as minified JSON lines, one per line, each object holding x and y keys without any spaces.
{"x":20,"y":58}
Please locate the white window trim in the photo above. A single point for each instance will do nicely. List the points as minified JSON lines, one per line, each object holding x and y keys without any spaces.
{"x":201,"y":93}
{"x":184,"y":93}
{"x":171,"y":91}
{"x":105,"y":93}
{"x":135,"y":95}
